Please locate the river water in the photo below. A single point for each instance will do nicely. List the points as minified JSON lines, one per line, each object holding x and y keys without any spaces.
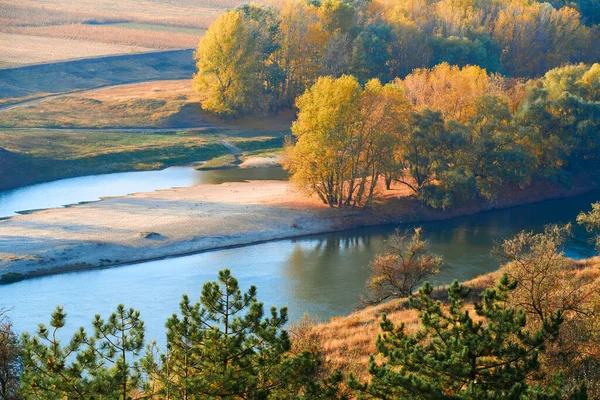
{"x":91,"y":188}
{"x":321,"y":275}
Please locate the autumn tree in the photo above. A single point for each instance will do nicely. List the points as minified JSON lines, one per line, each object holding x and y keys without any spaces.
{"x":458,"y":355}
{"x":449,"y":89}
{"x":344,"y":139}
{"x":536,"y":37}
{"x":591,"y":221}
{"x":407,"y":262}
{"x":549,"y":282}
{"x":229,"y":67}
{"x":11,"y":363}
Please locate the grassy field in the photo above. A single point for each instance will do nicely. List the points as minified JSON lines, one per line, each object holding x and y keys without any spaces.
{"x":159,"y":104}
{"x":86,"y":28}
{"x":140,"y":126}
{"x":39,"y":80}
{"x":24,"y":49}
{"x":28,"y":157}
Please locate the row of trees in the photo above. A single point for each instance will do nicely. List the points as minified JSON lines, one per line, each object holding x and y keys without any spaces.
{"x":258,"y":59}
{"x":447,"y":133}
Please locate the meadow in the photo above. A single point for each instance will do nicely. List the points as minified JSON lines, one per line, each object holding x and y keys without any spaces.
{"x":156,"y":104}
{"x":86,"y":28}
{"x":143,"y":126}
{"x":28,"y":157}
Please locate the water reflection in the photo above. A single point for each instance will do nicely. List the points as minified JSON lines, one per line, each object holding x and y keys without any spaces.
{"x":320,"y":275}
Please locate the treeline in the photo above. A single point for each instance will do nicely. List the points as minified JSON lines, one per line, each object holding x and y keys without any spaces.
{"x":447,"y":133}
{"x":258,"y":59}
{"x":534,"y":335}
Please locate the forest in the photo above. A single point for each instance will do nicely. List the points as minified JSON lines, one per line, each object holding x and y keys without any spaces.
{"x":258,"y":59}
{"x":455,"y":100}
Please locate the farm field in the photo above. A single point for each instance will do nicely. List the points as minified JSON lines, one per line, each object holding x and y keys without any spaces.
{"x":156,"y":104}
{"x":86,"y":28}
{"x":23,"y":49}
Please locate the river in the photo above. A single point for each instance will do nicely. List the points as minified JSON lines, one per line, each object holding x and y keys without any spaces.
{"x":91,"y":188}
{"x":321,"y":275}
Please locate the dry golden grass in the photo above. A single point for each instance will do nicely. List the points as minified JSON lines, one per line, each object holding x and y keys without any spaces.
{"x":166,"y":103}
{"x":197,"y":14}
{"x":112,"y":35}
{"x":348,"y":342}
{"x":141,"y":105}
{"x":24,"y":49}
{"x":89,"y":21}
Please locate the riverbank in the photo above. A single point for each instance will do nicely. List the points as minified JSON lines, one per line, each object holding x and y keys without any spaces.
{"x":181,"y":221}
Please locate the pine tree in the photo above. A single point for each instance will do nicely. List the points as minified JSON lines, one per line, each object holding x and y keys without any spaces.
{"x":118,"y":340}
{"x":225,"y":347}
{"x":50,"y":372}
{"x":457,"y":356}
{"x":97,"y":366}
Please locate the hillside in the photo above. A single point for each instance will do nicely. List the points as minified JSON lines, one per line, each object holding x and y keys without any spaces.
{"x":44,"y":79}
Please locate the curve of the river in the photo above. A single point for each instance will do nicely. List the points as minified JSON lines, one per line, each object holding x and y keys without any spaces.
{"x":92,"y":187}
{"x":321,"y":275}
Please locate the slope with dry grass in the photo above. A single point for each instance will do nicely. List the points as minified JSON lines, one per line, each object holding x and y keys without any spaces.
{"x":348,"y":342}
{"x":156,"y":104}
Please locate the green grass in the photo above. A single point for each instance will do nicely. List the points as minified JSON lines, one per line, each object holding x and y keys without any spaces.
{"x":223,"y":162}
{"x":38,"y":156}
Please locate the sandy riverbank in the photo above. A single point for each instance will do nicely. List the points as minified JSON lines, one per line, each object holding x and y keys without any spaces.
{"x":174,"y":222}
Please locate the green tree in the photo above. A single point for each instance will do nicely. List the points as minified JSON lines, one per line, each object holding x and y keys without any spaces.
{"x":427,"y":154}
{"x":229,"y":64}
{"x":456,"y":355}
{"x":53,"y":371}
{"x":406,"y":263}
{"x":118,"y":341}
{"x":224,"y":347}
{"x":493,"y":155}
{"x":98,"y":366}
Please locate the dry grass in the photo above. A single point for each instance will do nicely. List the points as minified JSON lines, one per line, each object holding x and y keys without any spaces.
{"x":89,"y":21}
{"x":112,"y":35}
{"x":198,"y":14}
{"x":153,"y":104}
{"x":162,"y":104}
{"x":24,"y":49}
{"x":348,"y":342}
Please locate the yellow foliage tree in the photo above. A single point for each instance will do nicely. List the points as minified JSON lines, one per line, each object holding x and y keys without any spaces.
{"x":228,"y":79}
{"x":345,"y":137}
{"x":449,"y":89}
